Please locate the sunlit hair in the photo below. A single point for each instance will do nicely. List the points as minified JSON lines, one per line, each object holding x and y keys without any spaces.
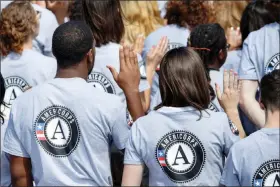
{"x":228,"y":13}
{"x":140,"y":17}
{"x":187,"y":13}
{"x":182,"y":80}
{"x":18,"y":22}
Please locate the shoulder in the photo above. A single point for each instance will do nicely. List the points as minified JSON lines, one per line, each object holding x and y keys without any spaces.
{"x":246,"y":144}
{"x":144,"y":123}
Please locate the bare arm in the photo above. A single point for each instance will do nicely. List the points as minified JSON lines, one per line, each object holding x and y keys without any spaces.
{"x":132,"y":175}
{"x":249,"y":104}
{"x":21,"y":173}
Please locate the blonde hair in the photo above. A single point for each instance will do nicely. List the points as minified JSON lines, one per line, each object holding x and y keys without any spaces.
{"x":229,"y":13}
{"x":140,"y":17}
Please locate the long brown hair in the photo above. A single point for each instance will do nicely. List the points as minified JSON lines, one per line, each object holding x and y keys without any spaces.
{"x":182,"y":80}
{"x":17,"y":23}
{"x":105,"y":20}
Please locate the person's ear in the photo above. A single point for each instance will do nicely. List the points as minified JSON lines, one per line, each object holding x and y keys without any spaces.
{"x":261,"y":104}
{"x":222,"y":54}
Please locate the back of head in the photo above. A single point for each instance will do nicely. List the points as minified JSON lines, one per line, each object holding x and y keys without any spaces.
{"x":187,"y":12}
{"x":71,"y":42}
{"x":18,"y":23}
{"x":270,"y":90}
{"x":105,"y":20}
{"x":209,"y":39}
{"x":140,"y":17}
{"x":274,"y":8}
{"x":182,"y":80}
{"x":76,"y":11}
{"x":254,"y":17}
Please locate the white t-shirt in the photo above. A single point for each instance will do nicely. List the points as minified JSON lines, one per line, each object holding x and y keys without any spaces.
{"x":177,"y":36}
{"x":178,"y":148}
{"x":66,"y":127}
{"x":216,"y":77}
{"x":101,"y":77}
{"x":48,"y":23}
{"x":26,"y":70}
{"x":260,"y":53}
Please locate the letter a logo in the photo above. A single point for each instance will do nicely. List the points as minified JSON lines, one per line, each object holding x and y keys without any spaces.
{"x":60,"y":131}
{"x":276,"y":181}
{"x":183,"y":156}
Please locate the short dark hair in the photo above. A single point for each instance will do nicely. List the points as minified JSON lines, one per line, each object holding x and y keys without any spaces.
{"x":71,"y":42}
{"x":210,"y":37}
{"x":182,"y":81}
{"x":255,"y":16}
{"x":104,"y":18}
{"x":2,"y":94}
{"x":270,"y":90}
{"x":76,"y":11}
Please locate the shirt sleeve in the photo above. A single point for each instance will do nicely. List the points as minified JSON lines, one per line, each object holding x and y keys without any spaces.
{"x":132,"y":151}
{"x":120,"y":129}
{"x":13,"y":143}
{"x":144,"y":84}
{"x":230,"y":174}
{"x":231,"y":135}
{"x":247,"y":69}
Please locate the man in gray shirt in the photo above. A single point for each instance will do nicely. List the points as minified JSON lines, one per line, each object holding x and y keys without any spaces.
{"x":255,"y":161}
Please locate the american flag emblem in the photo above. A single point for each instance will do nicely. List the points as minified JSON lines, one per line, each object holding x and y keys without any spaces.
{"x":161,"y":157}
{"x":40,"y":131}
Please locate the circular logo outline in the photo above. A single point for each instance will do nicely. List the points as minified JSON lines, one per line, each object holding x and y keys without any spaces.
{"x":214,"y":107}
{"x":267,"y":173}
{"x":269,"y":63}
{"x":51,"y":148}
{"x":169,"y":170}
{"x":101,"y":83}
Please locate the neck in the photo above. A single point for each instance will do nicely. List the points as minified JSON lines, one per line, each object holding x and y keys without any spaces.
{"x":28,"y":44}
{"x":272,"y":119}
{"x":72,"y":72}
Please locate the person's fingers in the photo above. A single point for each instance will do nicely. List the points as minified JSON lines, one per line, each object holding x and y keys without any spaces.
{"x":218,"y":91}
{"x":121,"y":57}
{"x":135,"y":60}
{"x":226,"y":80}
{"x":165,"y":45}
{"x":132,"y":57}
{"x":235,"y":83}
{"x":231,"y":79}
{"x":126,"y":50}
{"x":114,"y":73}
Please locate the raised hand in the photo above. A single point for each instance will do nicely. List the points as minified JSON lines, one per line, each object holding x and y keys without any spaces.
{"x":234,"y":38}
{"x":229,"y":99}
{"x":128,"y":78}
{"x":156,"y":53}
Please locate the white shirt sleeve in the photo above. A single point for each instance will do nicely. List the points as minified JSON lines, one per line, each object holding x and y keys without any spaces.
{"x":13,"y":143}
{"x":230,"y":174}
{"x":132,"y":150}
{"x":247,"y":69}
{"x":120,"y":128}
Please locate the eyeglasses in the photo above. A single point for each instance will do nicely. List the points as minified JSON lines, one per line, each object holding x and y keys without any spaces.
{"x":38,"y":14}
{"x":227,"y":46}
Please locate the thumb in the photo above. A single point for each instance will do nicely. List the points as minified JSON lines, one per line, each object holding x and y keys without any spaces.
{"x":218,"y":91}
{"x":114,"y":72}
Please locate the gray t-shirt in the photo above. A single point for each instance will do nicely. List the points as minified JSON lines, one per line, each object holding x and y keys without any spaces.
{"x":233,"y":60}
{"x":101,"y":77}
{"x":177,"y":36}
{"x":26,"y":70}
{"x":178,"y":148}
{"x":260,"y":53}
{"x":254,"y":161}
{"x":66,"y":127}
{"x":216,"y":77}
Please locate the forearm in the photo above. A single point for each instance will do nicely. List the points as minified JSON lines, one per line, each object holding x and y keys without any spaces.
{"x":253,"y":111}
{"x":132,"y":175}
{"x":234,"y":117}
{"x":147,"y":94}
{"x":22,"y":181}
{"x":134,"y":104}
{"x":21,"y":174}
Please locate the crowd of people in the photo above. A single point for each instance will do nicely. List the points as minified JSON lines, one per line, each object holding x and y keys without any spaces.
{"x":140,"y":93}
